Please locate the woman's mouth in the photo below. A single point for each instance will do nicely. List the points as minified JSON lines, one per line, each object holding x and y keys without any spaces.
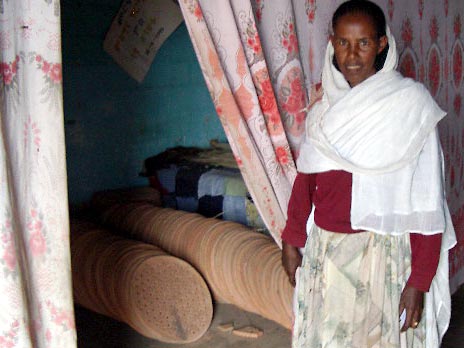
{"x":353,"y":67}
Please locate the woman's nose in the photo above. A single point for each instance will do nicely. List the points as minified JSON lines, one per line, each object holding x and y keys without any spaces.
{"x":353,"y":50}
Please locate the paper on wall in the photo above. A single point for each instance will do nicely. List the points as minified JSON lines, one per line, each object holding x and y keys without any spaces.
{"x":138,"y":31}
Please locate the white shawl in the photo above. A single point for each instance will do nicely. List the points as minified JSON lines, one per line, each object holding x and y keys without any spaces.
{"x":384,"y":132}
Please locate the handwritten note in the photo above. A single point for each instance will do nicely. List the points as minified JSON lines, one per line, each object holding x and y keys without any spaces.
{"x":138,"y":31}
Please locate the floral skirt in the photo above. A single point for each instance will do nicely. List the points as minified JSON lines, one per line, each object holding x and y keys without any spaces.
{"x":348,"y":292}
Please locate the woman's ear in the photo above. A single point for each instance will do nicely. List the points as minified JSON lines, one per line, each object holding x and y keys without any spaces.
{"x":383,"y":41}
{"x":331,"y":38}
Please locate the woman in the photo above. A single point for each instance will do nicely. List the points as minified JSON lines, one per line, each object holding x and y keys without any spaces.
{"x":370,"y":173}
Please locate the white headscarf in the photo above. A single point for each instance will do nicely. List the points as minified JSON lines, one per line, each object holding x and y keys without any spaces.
{"x":376,"y":127}
{"x":383,"y":131}
{"x":376,"y":131}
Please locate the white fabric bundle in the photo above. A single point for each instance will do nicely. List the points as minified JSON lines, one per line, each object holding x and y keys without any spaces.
{"x":384,"y":132}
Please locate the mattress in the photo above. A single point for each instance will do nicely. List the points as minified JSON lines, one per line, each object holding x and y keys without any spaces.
{"x":202,"y":187}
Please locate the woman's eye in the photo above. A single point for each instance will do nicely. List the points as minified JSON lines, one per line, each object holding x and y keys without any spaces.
{"x":342,"y":42}
{"x":364,"y":43}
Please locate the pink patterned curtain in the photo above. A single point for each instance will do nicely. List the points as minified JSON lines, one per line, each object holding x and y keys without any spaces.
{"x":251,"y":63}
{"x":262,"y":59}
{"x":35,"y":282}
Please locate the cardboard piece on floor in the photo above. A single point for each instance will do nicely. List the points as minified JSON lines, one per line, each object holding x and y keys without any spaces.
{"x":228,"y":327}
{"x":248,"y":332}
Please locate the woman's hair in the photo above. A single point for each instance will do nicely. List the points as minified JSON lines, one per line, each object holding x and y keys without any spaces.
{"x":371,"y":10}
{"x":364,"y":7}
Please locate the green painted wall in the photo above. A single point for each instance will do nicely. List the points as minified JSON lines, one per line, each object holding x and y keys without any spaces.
{"x":112,"y":122}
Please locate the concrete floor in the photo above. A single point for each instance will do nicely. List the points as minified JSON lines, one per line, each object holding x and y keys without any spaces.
{"x":97,"y":331}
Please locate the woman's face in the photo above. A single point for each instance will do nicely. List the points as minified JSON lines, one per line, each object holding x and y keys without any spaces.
{"x":356,"y":46}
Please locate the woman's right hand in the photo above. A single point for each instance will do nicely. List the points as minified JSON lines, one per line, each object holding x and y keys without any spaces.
{"x":291,"y":260}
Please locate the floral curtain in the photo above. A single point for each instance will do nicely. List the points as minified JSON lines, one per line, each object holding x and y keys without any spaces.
{"x":256,"y":81}
{"x":35,"y":281}
{"x":262,"y":62}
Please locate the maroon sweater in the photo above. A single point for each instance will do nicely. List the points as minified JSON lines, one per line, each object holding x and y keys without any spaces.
{"x":332,"y":204}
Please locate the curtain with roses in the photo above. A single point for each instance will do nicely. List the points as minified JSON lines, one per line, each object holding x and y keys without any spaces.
{"x":262,"y":60}
{"x":35,"y":282}
{"x":250,"y":58}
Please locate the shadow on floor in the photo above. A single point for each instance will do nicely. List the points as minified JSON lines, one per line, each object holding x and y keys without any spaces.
{"x":454,"y":337}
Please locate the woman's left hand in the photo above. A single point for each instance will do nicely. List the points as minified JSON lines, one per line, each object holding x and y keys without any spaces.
{"x":413,"y":301}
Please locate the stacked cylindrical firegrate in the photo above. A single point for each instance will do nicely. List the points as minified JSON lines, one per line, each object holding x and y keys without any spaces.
{"x":159,"y":295}
{"x":241,"y":267}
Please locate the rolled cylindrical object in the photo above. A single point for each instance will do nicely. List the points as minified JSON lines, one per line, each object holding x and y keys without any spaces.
{"x":242,"y":267}
{"x":159,"y":295}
